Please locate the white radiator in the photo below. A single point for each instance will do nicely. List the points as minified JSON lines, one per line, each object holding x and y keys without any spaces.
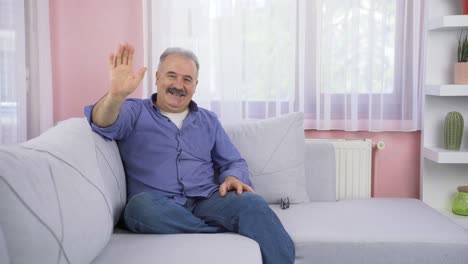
{"x":353,"y":167}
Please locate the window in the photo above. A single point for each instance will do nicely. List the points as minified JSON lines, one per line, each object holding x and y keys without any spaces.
{"x":25,"y":70}
{"x":12,"y":72}
{"x":360,"y":41}
{"x":351,"y":65}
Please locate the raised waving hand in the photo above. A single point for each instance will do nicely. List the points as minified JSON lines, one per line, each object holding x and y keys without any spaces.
{"x":122,"y":82}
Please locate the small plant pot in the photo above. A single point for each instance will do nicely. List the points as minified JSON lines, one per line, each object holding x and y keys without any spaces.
{"x":460,"y":201}
{"x":461,"y":73}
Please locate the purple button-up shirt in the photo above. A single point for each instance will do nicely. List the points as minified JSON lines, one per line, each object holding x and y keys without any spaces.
{"x":178,"y":163}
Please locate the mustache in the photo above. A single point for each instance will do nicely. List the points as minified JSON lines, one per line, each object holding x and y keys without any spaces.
{"x":175,"y":91}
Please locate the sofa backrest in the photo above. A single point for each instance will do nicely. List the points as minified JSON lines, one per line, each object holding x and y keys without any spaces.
{"x":320,"y":171}
{"x":56,"y":204}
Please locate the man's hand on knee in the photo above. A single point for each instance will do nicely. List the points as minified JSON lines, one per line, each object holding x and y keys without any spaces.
{"x":232,"y":183}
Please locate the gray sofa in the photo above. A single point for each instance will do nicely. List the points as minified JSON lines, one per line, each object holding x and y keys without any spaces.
{"x":61,"y":196}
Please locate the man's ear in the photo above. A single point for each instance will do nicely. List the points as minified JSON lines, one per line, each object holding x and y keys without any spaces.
{"x":157,"y":78}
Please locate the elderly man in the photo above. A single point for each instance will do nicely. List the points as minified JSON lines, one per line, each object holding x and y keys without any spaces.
{"x":171,"y":149}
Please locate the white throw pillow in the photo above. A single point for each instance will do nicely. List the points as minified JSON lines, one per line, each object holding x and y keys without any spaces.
{"x":274,"y":151}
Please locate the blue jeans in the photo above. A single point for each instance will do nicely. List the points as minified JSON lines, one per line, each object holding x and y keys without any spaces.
{"x":247,"y":214}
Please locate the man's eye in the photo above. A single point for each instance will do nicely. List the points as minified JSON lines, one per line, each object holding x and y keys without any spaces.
{"x":188,"y":80}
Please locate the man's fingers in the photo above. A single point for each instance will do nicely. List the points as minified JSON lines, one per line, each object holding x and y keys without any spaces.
{"x":248,"y":188}
{"x":232,"y":183}
{"x":130,"y":56}
{"x":239,"y":188}
{"x":111,"y":61}
{"x":141,"y":73}
{"x":118,"y":56}
{"x":222,"y":190}
{"x":125,"y":54}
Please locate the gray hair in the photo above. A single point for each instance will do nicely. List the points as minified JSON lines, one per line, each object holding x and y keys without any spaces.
{"x":181,"y":52}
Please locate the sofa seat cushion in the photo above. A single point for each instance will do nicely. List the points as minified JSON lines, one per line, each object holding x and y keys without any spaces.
{"x":373,"y":231}
{"x":226,"y":248}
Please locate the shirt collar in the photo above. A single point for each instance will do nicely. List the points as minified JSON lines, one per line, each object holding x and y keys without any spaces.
{"x":193,"y":107}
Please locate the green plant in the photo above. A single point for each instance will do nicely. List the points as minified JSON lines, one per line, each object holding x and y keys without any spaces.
{"x":463,"y":48}
{"x":453,"y":131}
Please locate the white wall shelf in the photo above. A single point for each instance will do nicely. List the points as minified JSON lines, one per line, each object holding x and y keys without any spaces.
{"x":448,"y":22}
{"x":447,"y":90}
{"x":442,"y":171}
{"x":440,"y":155}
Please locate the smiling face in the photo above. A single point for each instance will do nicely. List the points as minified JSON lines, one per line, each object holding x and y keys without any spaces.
{"x":176,"y":81}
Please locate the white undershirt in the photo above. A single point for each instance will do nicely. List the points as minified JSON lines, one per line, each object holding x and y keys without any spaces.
{"x":176,"y":118}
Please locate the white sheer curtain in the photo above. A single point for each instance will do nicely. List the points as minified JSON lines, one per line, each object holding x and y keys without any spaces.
{"x":369,"y":66}
{"x":25,"y":72}
{"x":12,"y":72}
{"x":40,"y":95}
{"x":349,"y":65}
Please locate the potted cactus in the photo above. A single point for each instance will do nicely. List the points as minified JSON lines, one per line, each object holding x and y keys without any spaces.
{"x":461,"y":68}
{"x":453,"y":131}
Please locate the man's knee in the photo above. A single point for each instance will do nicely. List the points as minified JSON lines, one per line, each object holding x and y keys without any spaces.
{"x":248,"y":201}
{"x":253,"y":198}
{"x":141,"y":202}
{"x":140,"y":213}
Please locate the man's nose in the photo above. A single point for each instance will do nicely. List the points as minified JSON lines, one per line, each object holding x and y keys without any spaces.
{"x":179,"y":83}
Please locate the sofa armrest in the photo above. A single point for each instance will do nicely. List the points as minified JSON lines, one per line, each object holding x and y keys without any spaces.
{"x":320,"y":170}
{"x":3,"y":248}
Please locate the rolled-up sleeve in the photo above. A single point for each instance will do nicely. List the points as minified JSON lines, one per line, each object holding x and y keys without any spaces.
{"x":227,"y":158}
{"x":122,"y":126}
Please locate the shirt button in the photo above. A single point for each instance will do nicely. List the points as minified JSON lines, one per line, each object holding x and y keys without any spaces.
{"x":180,"y":133}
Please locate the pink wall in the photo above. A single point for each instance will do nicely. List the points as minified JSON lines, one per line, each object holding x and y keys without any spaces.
{"x":83,"y":33}
{"x":396,"y":168}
